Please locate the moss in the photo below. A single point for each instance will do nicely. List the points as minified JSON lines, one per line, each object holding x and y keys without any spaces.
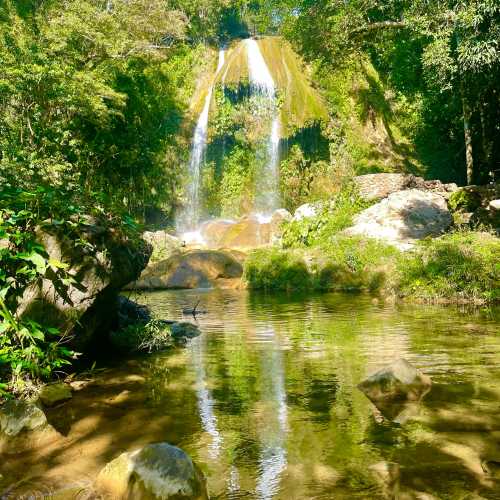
{"x":465,"y":200}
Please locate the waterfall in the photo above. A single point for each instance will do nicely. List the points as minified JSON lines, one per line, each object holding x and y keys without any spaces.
{"x":190,"y":216}
{"x":261,"y":82}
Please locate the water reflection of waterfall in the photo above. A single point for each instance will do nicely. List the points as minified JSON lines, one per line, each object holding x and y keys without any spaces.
{"x":273,"y":456}
{"x":262,"y":83}
{"x":189,"y":217}
{"x":205,"y":401}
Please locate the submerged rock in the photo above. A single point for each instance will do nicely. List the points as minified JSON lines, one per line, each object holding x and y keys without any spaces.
{"x":193,"y":269}
{"x":18,"y":416}
{"x":156,"y":471}
{"x":52,"y":394}
{"x":184,"y":330}
{"x":23,"y":426}
{"x":395,"y":389}
{"x":403,"y":218}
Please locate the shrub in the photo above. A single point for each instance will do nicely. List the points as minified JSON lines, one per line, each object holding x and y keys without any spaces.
{"x":334,"y":216}
{"x":154,"y":335}
{"x":461,"y":266}
{"x":345,"y":264}
{"x":276,"y":269}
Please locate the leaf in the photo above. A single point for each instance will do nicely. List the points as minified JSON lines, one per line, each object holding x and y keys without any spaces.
{"x":58,"y":264}
{"x":38,"y":260}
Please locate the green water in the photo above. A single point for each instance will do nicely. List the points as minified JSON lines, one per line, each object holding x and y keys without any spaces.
{"x":272,"y":409}
{"x":265,"y":401}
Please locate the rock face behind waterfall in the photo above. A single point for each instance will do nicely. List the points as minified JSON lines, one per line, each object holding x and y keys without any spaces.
{"x":404,"y":217}
{"x":100,"y":269}
{"x":157,"y":471}
{"x":193,"y":269}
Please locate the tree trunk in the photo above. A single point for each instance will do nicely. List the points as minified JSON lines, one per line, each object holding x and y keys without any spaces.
{"x":469,"y":161}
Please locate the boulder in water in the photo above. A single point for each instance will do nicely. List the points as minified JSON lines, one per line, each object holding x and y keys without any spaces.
{"x":193,"y":269}
{"x":404,"y":217}
{"x":53,"y":394}
{"x":400,"y":381}
{"x":156,"y":471}
{"x":213,"y":231}
{"x":184,"y":330}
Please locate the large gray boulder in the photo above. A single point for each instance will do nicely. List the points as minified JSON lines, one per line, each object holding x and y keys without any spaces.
{"x":193,"y":269}
{"x":156,"y":471}
{"x":100,"y":268}
{"x":379,"y":186}
{"x":17,"y":416}
{"x":403,"y":218}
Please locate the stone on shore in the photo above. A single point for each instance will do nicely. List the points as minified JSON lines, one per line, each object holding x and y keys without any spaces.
{"x":53,"y":394}
{"x":403,"y":218}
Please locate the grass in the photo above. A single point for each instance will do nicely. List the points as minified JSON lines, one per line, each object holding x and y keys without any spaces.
{"x":461,"y":267}
{"x":346,"y":264}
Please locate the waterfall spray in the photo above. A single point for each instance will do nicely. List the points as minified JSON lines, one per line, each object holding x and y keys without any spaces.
{"x":189,"y":217}
{"x":261,"y":82}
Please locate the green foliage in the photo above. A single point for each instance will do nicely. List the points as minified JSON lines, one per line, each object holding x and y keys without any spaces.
{"x":462,"y":266}
{"x":92,"y":95}
{"x":274,"y":269}
{"x":152,"y":336}
{"x":346,"y":264}
{"x":29,"y":350}
{"x":333,"y":216}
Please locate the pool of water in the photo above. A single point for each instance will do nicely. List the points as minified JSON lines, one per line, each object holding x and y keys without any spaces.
{"x":265,"y":401}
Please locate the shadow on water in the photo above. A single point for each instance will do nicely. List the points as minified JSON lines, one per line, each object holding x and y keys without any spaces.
{"x":265,"y":401}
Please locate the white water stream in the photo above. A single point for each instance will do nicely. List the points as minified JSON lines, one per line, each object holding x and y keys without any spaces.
{"x":190,"y":216}
{"x":261,"y":82}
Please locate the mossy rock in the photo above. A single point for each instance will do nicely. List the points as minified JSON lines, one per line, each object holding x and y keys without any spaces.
{"x":157,"y":471}
{"x":53,"y":394}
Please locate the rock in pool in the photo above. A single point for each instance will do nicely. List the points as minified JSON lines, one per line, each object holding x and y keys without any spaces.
{"x":23,"y":425}
{"x":17,"y":416}
{"x":156,"y":471}
{"x":400,"y":382}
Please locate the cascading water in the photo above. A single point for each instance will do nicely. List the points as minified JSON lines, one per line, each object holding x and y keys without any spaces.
{"x":261,"y":82}
{"x":189,"y":217}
